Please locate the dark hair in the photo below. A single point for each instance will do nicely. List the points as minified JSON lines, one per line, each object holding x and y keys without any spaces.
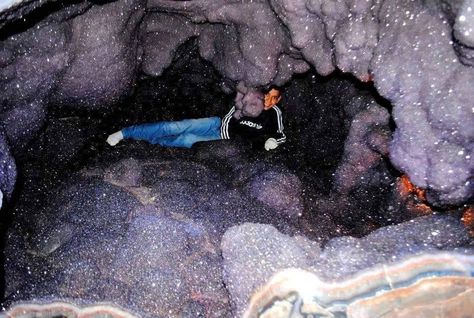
{"x":278,"y":88}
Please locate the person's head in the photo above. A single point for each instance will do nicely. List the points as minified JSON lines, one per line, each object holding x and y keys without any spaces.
{"x":271,"y":98}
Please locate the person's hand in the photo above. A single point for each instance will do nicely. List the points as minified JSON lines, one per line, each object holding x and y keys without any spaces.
{"x":115,"y":138}
{"x":270,"y":144}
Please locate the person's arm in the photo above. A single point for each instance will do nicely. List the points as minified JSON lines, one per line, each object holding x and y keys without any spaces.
{"x":280,"y":135}
{"x":225,"y":124}
{"x":277,"y":137}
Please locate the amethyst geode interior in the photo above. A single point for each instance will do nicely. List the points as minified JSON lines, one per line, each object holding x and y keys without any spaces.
{"x":372,"y":90}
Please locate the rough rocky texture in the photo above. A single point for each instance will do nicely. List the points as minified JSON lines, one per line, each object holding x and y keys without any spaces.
{"x":464,"y":32}
{"x":169,"y":30}
{"x":431,"y":111}
{"x":280,"y":191}
{"x":143,"y":233}
{"x":363,"y":179}
{"x":254,"y":252}
{"x":88,"y":251}
{"x":54,"y":309}
{"x":31,"y":60}
{"x":260,"y":43}
{"x":146,"y":227}
{"x":248,"y":102}
{"x":365,"y":146}
{"x":254,"y":48}
{"x":346,"y":255}
{"x":7,"y":169}
{"x":438,"y":284}
{"x":315,"y":119}
{"x":410,"y":148}
{"x":54,"y":62}
{"x":114,"y":68}
{"x":341,"y":140}
{"x":433,"y":285}
{"x":189,"y":88}
{"x":82,"y":57}
{"x":9,"y":4}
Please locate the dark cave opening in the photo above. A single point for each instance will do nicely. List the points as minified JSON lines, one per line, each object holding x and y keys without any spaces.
{"x":73,"y":140}
{"x":318,"y":114}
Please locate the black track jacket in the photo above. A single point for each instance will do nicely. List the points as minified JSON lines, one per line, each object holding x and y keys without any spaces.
{"x":269,"y":124}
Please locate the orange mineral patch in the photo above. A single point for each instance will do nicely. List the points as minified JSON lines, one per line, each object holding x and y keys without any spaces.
{"x":414,"y":197}
{"x":410,"y":188}
{"x":468,"y":219}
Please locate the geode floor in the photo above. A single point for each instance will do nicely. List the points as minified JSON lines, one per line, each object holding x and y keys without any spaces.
{"x":190,"y":232}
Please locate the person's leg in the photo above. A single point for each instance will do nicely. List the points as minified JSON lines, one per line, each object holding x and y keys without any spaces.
{"x":204,"y":129}
{"x":184,"y":140}
{"x":156,"y":131}
{"x":153,"y":131}
{"x":200,"y":126}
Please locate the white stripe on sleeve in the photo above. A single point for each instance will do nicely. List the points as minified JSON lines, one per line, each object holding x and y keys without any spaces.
{"x":280,"y":125}
{"x":225,"y":124}
{"x":279,"y":119}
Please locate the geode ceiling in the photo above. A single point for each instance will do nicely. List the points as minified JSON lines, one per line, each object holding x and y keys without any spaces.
{"x":419,"y":55}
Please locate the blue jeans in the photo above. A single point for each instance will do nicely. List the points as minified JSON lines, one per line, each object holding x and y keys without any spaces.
{"x":182,"y":133}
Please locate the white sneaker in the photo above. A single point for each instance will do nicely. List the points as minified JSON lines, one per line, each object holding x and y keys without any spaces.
{"x":115,"y":138}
